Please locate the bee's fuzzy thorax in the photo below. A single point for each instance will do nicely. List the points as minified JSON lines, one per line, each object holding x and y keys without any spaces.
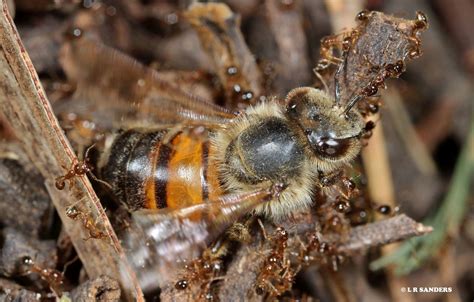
{"x":305,"y":112}
{"x":296,"y":197}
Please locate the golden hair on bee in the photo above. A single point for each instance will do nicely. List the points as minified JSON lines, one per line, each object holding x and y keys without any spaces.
{"x":298,"y":194}
{"x":291,"y":142}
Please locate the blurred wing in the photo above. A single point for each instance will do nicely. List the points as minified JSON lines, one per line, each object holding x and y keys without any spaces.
{"x":113,"y":84}
{"x":161,"y":240}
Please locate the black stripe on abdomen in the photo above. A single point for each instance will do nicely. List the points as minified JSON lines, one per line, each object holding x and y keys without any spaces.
{"x":205,"y":161}
{"x":161,"y":175}
{"x":115,"y":170}
{"x":139,"y":169}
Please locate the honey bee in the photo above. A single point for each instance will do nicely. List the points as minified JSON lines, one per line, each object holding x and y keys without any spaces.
{"x":197,"y":181}
{"x":292,"y":142}
{"x":191,"y":169}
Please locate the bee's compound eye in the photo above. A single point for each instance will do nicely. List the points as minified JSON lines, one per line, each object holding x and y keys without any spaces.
{"x":327,"y":147}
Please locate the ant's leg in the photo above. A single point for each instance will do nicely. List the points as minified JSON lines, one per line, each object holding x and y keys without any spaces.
{"x":328,"y":44}
{"x":109,"y":186}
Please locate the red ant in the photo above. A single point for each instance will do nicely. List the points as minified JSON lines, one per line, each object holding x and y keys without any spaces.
{"x":53,"y":277}
{"x":75,"y":214}
{"x":205,"y":269}
{"x":317,"y":251}
{"x":386,"y":210}
{"x":276,"y":276}
{"x":78,"y":168}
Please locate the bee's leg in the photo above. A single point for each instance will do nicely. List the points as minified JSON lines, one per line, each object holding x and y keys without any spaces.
{"x":217,"y":249}
{"x":326,"y":180}
{"x":240,"y":231}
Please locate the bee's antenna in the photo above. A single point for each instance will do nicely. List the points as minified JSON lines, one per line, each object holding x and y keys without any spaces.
{"x":352,"y":102}
{"x":337,"y":86}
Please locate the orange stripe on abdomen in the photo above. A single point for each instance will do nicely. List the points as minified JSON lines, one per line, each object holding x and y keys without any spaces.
{"x":185,"y":172}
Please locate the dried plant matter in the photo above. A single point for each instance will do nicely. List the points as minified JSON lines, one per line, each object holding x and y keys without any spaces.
{"x":380,"y":40}
{"x":383,"y":232}
{"x":25,"y":204}
{"x":25,"y":106}
{"x":240,"y":280}
{"x":218,"y":29}
{"x":101,"y":289}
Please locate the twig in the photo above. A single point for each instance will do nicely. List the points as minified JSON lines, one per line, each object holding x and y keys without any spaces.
{"x":286,"y":25}
{"x":415,"y":147}
{"x":381,"y":190}
{"x":377,"y":167}
{"x":219,"y":31}
{"x":240,"y":279}
{"x":375,"y":157}
{"x":446,"y":221}
{"x":26,"y":108}
{"x":447,"y":271}
{"x":242,"y":273}
{"x":383,"y":232}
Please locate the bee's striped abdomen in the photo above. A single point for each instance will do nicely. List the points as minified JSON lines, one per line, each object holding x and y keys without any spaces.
{"x":145,"y":173}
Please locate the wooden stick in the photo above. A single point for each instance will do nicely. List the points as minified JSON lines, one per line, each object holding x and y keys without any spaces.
{"x":24,"y":105}
{"x":375,"y":158}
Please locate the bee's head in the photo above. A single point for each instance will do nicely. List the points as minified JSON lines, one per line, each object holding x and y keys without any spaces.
{"x":332,"y":134}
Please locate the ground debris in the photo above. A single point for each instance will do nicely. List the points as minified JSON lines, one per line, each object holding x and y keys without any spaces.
{"x":101,"y":289}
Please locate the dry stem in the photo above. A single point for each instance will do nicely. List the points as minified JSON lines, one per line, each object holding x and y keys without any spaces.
{"x":375,"y":156}
{"x":26,"y":108}
{"x":240,"y":279}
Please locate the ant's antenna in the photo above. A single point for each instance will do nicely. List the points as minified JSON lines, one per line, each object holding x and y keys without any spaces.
{"x":86,"y":155}
{"x":320,"y":78}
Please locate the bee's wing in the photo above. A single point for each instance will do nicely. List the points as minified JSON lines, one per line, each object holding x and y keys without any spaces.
{"x":115,"y":85}
{"x":161,"y":240}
